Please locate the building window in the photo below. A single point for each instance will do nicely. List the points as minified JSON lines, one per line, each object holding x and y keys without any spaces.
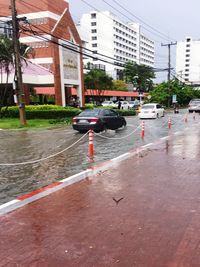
{"x":93,"y":23}
{"x":187,"y":55}
{"x":94,"y":45}
{"x":187,"y":65}
{"x":187,"y":50}
{"x":186,"y":70}
{"x":188,"y":40}
{"x":188,"y":45}
{"x":93,"y":15}
{"x":187,"y":60}
{"x":94,"y":37}
{"x":93,"y":31}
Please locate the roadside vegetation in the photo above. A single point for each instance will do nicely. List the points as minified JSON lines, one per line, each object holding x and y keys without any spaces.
{"x":41,"y":116}
{"x":163,"y":92}
{"x":14,"y":123}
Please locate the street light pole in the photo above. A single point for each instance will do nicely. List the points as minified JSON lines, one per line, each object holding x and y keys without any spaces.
{"x":18,"y":72}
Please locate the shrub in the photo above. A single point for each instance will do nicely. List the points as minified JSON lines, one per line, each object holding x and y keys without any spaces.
{"x":126,"y":112}
{"x":89,"y":106}
{"x":43,"y":112}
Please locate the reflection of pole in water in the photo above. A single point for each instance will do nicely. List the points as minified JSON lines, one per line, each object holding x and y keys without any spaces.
{"x":167,"y":146}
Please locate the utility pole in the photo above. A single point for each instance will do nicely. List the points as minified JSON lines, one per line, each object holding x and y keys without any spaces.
{"x":169,"y":67}
{"x":169,"y":59}
{"x":17,"y":59}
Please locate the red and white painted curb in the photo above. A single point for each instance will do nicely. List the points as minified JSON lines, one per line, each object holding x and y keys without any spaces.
{"x":40,"y":193}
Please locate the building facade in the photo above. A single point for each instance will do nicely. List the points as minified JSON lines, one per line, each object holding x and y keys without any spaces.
{"x":51,"y":32}
{"x":188,"y":61}
{"x":118,"y":41}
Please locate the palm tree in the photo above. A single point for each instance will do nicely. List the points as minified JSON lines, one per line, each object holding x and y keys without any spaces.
{"x":6,"y":63}
{"x":6,"y":60}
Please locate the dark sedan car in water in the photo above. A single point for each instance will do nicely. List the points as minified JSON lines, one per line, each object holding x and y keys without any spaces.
{"x":98,"y":120}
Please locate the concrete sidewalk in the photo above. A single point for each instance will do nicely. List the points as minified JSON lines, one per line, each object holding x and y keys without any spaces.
{"x":155,"y":224}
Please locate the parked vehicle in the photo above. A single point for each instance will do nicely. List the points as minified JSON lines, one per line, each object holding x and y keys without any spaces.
{"x":151,"y":111}
{"x":107,"y":104}
{"x":98,"y":120}
{"x":124,"y":104}
{"x":194,"y":105}
{"x":134,"y":104}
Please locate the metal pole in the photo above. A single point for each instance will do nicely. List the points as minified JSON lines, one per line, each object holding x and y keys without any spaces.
{"x":169,"y":68}
{"x":169,"y":63}
{"x":18,"y":72}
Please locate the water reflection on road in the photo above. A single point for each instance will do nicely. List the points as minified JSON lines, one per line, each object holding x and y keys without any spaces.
{"x":27,"y":145}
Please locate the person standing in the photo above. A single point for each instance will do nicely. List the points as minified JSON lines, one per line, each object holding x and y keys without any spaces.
{"x":119,"y":104}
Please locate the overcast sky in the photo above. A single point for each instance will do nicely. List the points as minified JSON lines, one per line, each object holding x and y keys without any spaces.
{"x":176,"y":19}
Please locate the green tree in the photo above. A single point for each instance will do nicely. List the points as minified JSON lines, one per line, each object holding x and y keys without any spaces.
{"x":98,"y":81}
{"x":119,"y":85}
{"x":139,"y":75}
{"x":6,"y":62}
{"x":184,"y":93}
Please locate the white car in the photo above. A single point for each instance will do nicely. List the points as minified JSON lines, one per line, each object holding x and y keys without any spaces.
{"x":151,"y":111}
{"x":134,"y":104}
{"x":194,"y":105}
{"x":124,"y":105}
{"x":107,"y":103}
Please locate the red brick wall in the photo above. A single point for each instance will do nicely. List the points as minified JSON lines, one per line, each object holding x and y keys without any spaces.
{"x":28,"y":6}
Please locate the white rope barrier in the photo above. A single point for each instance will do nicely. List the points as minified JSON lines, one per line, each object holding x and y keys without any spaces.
{"x":118,"y":138}
{"x":43,"y":159}
{"x":99,"y":135}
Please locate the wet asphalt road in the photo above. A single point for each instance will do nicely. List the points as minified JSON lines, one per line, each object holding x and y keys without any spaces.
{"x":155,"y":224}
{"x":28,"y":145}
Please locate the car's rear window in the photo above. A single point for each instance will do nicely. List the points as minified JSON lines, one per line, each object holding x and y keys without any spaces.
{"x":195,"y":102}
{"x":148,"y":107}
{"x":90,"y":113}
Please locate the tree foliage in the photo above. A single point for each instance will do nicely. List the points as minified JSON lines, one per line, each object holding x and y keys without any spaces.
{"x":119,"y":85}
{"x":139,"y":75}
{"x":6,"y":61}
{"x":98,"y":81}
{"x":184,"y":93}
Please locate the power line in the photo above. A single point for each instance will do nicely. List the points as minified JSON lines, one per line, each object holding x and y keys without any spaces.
{"x":70,"y":47}
{"x":84,"y":1}
{"x":131,"y":19}
{"x":77,"y":51}
{"x":116,"y":2}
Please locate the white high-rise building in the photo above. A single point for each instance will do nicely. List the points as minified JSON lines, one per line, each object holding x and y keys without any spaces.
{"x":188,"y":61}
{"x":120,"y":42}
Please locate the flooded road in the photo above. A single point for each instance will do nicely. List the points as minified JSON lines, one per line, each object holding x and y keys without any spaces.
{"x":30,"y":145}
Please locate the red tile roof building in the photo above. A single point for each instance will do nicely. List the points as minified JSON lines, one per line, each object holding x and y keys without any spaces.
{"x":51,"y":28}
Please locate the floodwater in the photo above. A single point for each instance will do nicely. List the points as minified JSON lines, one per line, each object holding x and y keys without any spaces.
{"x":28,"y":145}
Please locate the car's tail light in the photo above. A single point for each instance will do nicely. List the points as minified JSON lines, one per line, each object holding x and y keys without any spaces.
{"x":93,"y":120}
{"x":74,"y":120}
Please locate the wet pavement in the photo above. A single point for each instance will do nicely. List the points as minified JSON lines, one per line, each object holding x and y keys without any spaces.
{"x":155,"y":224}
{"x":26,"y":145}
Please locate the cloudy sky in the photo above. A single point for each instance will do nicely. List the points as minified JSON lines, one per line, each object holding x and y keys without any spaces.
{"x":174,"y":19}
